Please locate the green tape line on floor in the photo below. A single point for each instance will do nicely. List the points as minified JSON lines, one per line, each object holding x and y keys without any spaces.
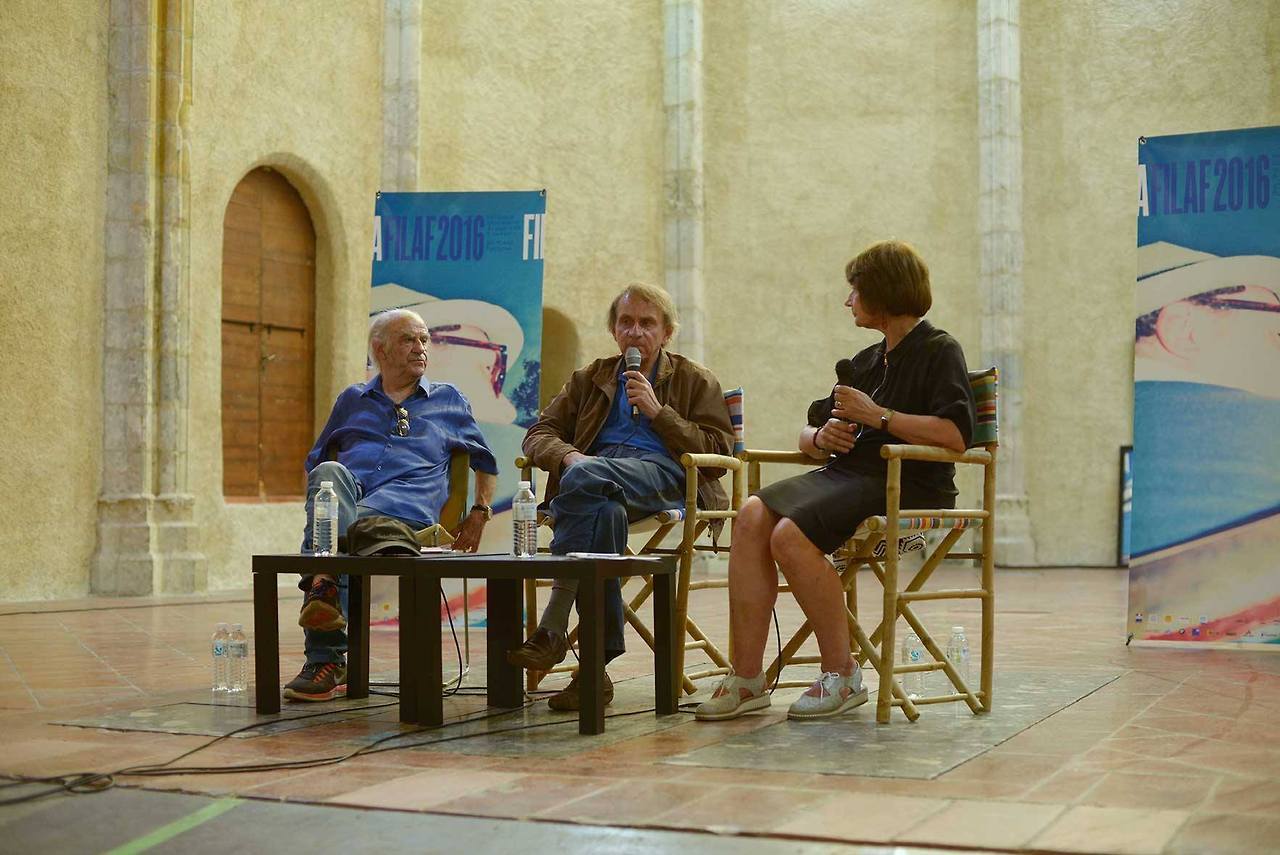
{"x":173,"y":829}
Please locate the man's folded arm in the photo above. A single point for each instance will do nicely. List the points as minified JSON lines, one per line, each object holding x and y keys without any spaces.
{"x":545,"y":443}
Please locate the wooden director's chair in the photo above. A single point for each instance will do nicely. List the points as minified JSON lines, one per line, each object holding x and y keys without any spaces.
{"x":879,"y":543}
{"x":692,"y":523}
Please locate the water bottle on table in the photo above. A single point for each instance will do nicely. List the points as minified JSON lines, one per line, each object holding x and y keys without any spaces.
{"x":324,"y":521}
{"x":524,"y":521}
{"x":238,"y":659}
{"x":221,"y":667}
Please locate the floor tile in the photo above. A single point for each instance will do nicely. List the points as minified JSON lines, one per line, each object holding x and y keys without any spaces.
{"x":1135,"y":790}
{"x":521,"y":797}
{"x":422,"y":790}
{"x":1124,"y":831}
{"x":632,"y":802}
{"x":733,"y":809}
{"x":860,"y":816}
{"x":1006,"y":825}
{"x":1226,"y":834}
{"x":1246,"y":795}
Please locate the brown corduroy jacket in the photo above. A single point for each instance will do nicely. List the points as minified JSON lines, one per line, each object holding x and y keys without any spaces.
{"x":694,"y":419}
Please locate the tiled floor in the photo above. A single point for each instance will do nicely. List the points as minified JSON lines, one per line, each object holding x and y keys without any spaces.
{"x":1178,"y":751}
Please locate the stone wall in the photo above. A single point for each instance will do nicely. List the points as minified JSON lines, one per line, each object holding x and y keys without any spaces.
{"x":1095,"y":76}
{"x":53,"y":135}
{"x":295,"y":87}
{"x":825,"y":126}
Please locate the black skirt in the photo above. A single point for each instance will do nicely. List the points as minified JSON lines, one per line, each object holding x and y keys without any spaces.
{"x":828,"y":504}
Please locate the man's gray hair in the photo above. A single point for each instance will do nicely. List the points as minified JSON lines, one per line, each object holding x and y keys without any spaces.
{"x":382,"y":322}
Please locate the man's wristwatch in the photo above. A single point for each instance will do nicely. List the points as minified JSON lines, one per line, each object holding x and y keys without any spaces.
{"x":484,"y":509}
{"x":884,"y":420}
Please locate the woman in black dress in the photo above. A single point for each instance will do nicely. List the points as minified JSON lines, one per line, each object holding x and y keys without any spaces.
{"x":911,"y":387}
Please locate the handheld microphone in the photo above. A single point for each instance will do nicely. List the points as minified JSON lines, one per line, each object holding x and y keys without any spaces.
{"x":632,"y":358}
{"x":844,"y":375}
{"x":844,"y":372}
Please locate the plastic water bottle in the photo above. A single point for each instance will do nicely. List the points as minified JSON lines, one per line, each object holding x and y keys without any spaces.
{"x":221,"y":660}
{"x":324,"y":521}
{"x":524,"y":521}
{"x":912,"y":654}
{"x":238,"y":659}
{"x":958,"y":653}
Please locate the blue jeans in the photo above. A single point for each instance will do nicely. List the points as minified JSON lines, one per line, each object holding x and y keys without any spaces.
{"x":331,"y":646}
{"x":597,"y":498}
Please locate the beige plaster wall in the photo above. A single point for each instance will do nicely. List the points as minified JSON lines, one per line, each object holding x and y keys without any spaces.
{"x":1096,"y":75}
{"x":563,"y":95}
{"x":826,"y":128}
{"x":297,"y":87}
{"x":825,"y":132}
{"x":53,"y":126}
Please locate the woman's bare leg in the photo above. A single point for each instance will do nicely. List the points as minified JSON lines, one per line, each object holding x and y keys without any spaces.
{"x":753,"y":585}
{"x":816,"y":587}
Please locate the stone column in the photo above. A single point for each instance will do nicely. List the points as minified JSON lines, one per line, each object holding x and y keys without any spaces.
{"x":147,"y":538}
{"x":1000,"y":230}
{"x":683,"y":206}
{"x":401,"y":64}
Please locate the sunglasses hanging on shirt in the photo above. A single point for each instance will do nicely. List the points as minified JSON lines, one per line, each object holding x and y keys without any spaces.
{"x":402,"y":421}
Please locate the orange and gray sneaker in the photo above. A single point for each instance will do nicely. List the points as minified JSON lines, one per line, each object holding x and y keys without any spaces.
{"x":318,"y":681}
{"x":321,"y":608}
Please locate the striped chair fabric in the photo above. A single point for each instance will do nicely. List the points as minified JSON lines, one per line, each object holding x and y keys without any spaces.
{"x":733,"y":399}
{"x":985,"y":385}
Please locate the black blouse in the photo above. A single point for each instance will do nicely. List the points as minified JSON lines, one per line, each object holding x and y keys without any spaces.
{"x":925,"y":375}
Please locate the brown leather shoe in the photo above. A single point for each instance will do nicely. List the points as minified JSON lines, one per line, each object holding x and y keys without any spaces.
{"x":544,"y":650}
{"x":570,"y":700}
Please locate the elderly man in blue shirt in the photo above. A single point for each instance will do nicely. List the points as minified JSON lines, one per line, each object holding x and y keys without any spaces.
{"x":386,"y":448}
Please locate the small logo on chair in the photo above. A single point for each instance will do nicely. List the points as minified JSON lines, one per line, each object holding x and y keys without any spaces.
{"x":910,"y":543}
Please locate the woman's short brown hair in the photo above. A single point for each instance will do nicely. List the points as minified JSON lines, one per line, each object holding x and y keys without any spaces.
{"x":891,"y":277}
{"x":652,"y":295}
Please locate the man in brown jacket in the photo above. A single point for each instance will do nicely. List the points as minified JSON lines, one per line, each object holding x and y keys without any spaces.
{"x":611,"y":442}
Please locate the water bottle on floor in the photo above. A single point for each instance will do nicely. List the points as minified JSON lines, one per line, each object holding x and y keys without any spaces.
{"x":221,"y":666}
{"x":524,"y":521}
{"x":324,"y":521}
{"x":238,"y":659}
{"x":958,"y":653}
{"x":912,"y":654}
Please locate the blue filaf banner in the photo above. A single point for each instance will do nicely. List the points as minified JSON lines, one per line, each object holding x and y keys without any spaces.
{"x":1205,"y":539}
{"x":471,"y":265}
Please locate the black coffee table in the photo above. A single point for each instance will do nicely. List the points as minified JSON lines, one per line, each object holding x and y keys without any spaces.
{"x":421,"y":668}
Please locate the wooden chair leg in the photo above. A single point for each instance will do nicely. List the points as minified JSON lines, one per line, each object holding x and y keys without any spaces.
{"x":531,"y":678}
{"x":682,"y":610}
{"x":881,"y":667}
{"x":987,"y":680}
{"x":893,"y":490}
{"x":647,"y":636}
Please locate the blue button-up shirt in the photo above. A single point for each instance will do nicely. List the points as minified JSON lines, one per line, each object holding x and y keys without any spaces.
{"x":406,"y":477}
{"x":621,"y":430}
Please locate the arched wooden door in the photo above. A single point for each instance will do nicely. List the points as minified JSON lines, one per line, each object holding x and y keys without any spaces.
{"x":268,"y":338}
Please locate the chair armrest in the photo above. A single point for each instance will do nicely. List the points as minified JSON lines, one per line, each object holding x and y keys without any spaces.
{"x":934,"y":454}
{"x":710,"y":461}
{"x":762,"y":455}
{"x":525,"y":465}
